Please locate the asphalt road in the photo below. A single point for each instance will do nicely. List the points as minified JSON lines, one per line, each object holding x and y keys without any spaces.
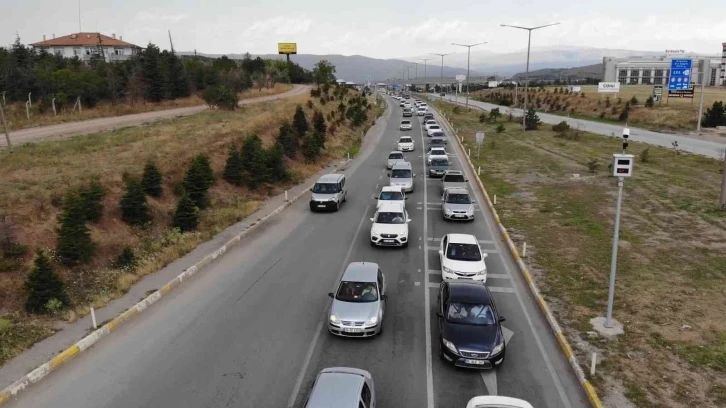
{"x":250,"y":332}
{"x":689,"y":144}
{"x":84,"y":127}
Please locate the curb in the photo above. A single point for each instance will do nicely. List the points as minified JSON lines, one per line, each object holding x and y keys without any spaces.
{"x":88,"y":341}
{"x":556,"y":329}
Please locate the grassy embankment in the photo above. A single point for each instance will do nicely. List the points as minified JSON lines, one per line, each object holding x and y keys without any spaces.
{"x":674,"y":114}
{"x":36,"y":177}
{"x":17,"y":119}
{"x":672,"y":257}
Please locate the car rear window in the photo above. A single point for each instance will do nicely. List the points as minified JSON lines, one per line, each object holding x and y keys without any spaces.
{"x":439,"y":162}
{"x":391,"y":195}
{"x":395,"y":156}
{"x":405,"y":122}
{"x":454,"y":178}
{"x":463,"y":252}
{"x":439,"y":134}
{"x":432,"y":127}
{"x":405,"y":140}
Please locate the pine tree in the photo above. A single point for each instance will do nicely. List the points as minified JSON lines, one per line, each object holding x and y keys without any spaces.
{"x":198,"y":180}
{"x":310,"y":148}
{"x":92,"y":197}
{"x":276,"y":163}
{"x":531,"y":120}
{"x":153,"y":80}
{"x":300,"y":122}
{"x":134,"y":208}
{"x":125,"y":260}
{"x":233,"y":168}
{"x":186,"y":217}
{"x":715,"y":115}
{"x":74,"y":238}
{"x":42,"y":285}
{"x":254,"y":161}
{"x":625,"y":113}
{"x":288,"y":140}
{"x":319,"y":123}
{"x":151,"y":180}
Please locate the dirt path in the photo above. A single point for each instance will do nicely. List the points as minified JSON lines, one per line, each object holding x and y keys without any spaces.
{"x":68,"y":130}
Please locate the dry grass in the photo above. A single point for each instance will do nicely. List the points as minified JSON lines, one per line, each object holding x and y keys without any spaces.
{"x":36,"y":176}
{"x":17,"y":118}
{"x":671,"y":264}
{"x":674,"y":114}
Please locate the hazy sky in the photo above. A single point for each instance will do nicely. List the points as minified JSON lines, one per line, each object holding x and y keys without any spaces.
{"x":375,"y":28}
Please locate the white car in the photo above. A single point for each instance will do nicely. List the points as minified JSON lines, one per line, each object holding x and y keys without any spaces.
{"x":391,"y":194}
{"x":495,"y":401}
{"x":436,"y":153}
{"x":421,"y":112}
{"x":402,"y":104}
{"x":390,"y":226}
{"x":405,"y":125}
{"x":428,"y":123}
{"x":405,"y":144}
{"x":432,"y":129}
{"x":462,"y":258}
{"x":424,"y":105}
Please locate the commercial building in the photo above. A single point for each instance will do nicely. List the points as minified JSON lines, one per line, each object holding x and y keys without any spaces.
{"x":655,"y":70}
{"x":87,"y":45}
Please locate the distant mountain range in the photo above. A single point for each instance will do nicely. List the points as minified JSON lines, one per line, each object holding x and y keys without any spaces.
{"x":358,"y":68}
{"x":551,"y":74}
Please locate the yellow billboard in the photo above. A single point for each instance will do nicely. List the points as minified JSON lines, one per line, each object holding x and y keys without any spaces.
{"x":287,"y":48}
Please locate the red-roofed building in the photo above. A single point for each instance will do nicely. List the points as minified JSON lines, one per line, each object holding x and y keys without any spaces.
{"x":86,"y":45}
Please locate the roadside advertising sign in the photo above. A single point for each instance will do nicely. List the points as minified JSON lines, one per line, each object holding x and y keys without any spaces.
{"x":608,"y":87}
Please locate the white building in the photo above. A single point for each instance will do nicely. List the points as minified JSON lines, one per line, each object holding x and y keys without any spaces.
{"x":86,"y":45}
{"x":656,"y":70}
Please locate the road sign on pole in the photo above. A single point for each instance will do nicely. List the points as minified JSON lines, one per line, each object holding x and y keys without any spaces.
{"x":679,"y":81}
{"x":479,"y":142}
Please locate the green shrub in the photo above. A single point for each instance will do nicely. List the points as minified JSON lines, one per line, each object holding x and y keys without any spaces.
{"x":134,"y":208}
{"x":233,"y":167}
{"x":74,"y":238}
{"x":46,"y":292}
{"x":199,"y":178}
{"x":92,"y":197}
{"x":126,"y":260}
{"x":500,"y":128}
{"x":186,"y":216}
{"x":151,"y":180}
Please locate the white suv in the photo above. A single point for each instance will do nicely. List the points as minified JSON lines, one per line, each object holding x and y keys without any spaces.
{"x":390,"y":226}
{"x":391,"y":194}
{"x":432,"y":129}
{"x":428,"y":123}
{"x":462,"y":258}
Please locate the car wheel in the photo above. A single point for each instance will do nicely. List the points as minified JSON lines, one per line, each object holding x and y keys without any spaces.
{"x":337,"y":206}
{"x":441,"y":352}
{"x":405,"y":245}
{"x":373,"y":244}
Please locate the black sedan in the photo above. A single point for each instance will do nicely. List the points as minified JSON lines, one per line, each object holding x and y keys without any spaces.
{"x":470,"y":333}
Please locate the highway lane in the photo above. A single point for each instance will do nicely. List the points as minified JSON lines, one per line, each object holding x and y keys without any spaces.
{"x":686,"y":143}
{"x":250,"y":331}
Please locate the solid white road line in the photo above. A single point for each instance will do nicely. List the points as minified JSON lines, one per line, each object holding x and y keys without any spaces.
{"x":487,"y":251}
{"x":311,"y":348}
{"x":498,"y":289}
{"x":427,"y":300}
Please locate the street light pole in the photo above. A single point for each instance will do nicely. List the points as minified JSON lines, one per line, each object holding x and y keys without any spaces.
{"x":424,"y":60}
{"x":526,"y":76}
{"x":468,"y":59}
{"x":441,"y":78}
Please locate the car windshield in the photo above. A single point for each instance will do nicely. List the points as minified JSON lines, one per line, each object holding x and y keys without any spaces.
{"x":435,"y":142}
{"x":401,"y":174}
{"x":395,"y":156}
{"x":470,"y":313}
{"x":325,"y":188}
{"x":405,"y":140}
{"x":458,"y":199}
{"x":454,"y":178}
{"x":360,"y":292}
{"x":438,"y":152}
{"x":463,"y":252}
{"x":439,"y":162}
{"x":391,"y":195}
{"x":439,"y":134}
{"x":406,"y":122}
{"x":390,"y":218}
{"x":432,"y":127}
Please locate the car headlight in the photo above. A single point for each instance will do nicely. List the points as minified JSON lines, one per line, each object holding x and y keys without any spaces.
{"x":470,"y":210}
{"x":448,"y":211}
{"x":449,"y":345}
{"x":447,"y":270}
{"x":499,"y":347}
{"x":372,"y":320}
{"x":482,"y":272}
{"x":334,"y":319}
{"x":331,"y":199}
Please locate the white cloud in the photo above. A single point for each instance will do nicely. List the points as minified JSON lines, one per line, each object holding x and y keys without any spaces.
{"x":278,"y":26}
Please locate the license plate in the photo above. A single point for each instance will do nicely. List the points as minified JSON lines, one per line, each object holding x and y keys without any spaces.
{"x":388,"y":241}
{"x":351,"y":330}
{"x":475,"y":362}
{"x":460,"y":216}
{"x":321,"y":205}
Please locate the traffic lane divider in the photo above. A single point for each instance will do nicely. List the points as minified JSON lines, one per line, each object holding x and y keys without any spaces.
{"x":64,"y":356}
{"x":554,"y":325}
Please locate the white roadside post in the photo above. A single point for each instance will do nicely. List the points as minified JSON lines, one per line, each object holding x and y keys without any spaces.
{"x":593,"y":364}
{"x":93,"y":318}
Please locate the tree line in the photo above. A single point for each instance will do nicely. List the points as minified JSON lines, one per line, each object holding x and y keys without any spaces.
{"x":151,"y":75}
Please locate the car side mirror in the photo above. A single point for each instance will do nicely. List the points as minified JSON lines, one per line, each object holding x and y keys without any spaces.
{"x":331,"y":294}
{"x":311,"y":189}
{"x":441,"y":252}
{"x":502,"y":318}
{"x":373,"y":219}
{"x":438,"y":313}
{"x":473,"y":201}
{"x":388,"y":174}
{"x":384,"y":297}
{"x":405,"y":198}
{"x":408,"y":220}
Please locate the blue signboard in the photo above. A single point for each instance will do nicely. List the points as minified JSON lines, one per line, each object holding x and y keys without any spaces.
{"x":680,"y":78}
{"x":395,"y":86}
